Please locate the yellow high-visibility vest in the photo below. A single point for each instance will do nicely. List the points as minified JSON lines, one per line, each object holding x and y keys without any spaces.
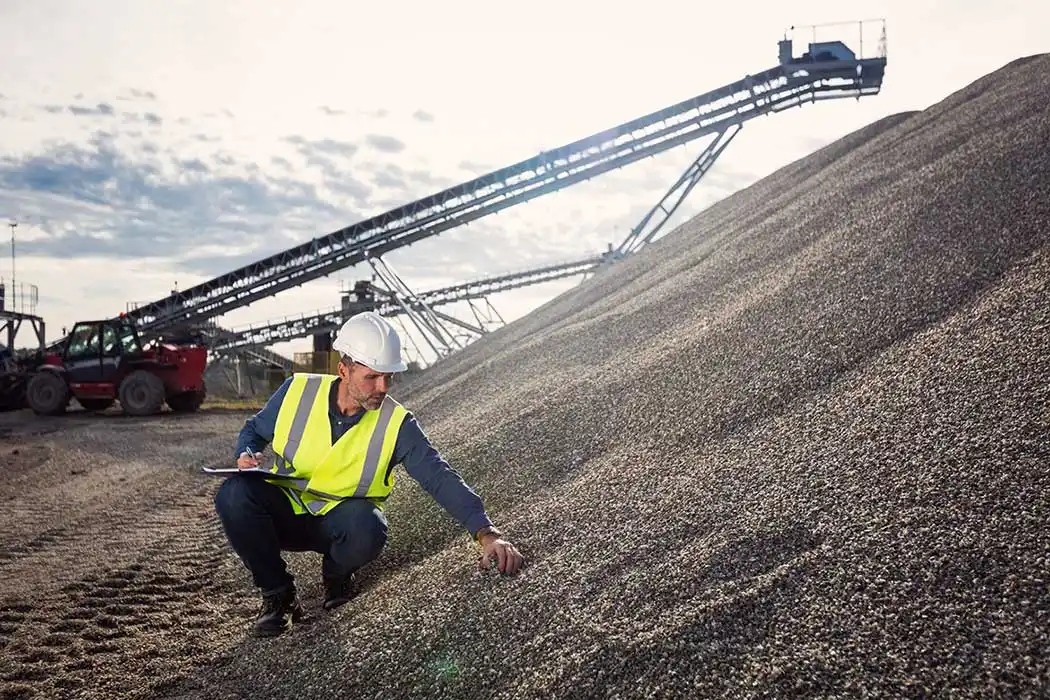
{"x":316,"y":474}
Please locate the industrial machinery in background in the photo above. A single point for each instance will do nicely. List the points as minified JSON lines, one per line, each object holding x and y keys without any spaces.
{"x":18,"y":307}
{"x":422,"y":312}
{"x":714,"y":113}
{"x":104,"y":361}
{"x":98,"y":363}
{"x":826,"y":71}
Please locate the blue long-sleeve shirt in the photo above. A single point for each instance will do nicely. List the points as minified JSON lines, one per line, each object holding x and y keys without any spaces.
{"x":413,"y":449}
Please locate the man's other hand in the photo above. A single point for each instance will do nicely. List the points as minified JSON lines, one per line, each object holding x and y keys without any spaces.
{"x":506,"y":556}
{"x":248,"y":461}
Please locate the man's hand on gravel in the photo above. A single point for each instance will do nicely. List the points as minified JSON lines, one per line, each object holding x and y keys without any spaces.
{"x":499,"y":550}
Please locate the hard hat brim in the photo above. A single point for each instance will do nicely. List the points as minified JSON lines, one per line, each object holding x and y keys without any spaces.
{"x":385,"y":369}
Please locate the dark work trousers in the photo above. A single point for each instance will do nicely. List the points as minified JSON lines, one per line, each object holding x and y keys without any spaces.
{"x":259,"y":523}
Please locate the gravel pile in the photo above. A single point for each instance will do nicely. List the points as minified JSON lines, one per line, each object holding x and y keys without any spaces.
{"x":796,"y":447}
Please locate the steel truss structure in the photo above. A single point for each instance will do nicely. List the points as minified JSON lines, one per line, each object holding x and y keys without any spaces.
{"x":12,"y":380}
{"x":429,"y":324}
{"x":11,"y":322}
{"x":444,"y":333}
{"x":720,"y":111}
{"x":389,"y":303}
{"x":656,"y":217}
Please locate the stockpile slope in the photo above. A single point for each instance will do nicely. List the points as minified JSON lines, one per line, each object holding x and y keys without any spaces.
{"x":797,"y":446}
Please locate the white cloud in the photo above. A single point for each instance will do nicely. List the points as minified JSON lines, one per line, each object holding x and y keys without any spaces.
{"x":230,"y":132}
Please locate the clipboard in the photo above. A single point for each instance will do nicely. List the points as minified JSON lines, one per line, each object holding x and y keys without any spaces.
{"x":222,"y":471}
{"x":262,"y":472}
{"x":266,"y":462}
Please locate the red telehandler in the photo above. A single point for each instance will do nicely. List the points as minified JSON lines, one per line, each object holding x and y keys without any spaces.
{"x":102,"y":362}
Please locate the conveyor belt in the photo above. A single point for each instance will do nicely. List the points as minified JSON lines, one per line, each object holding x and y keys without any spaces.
{"x":304,"y":325}
{"x":767,"y":92}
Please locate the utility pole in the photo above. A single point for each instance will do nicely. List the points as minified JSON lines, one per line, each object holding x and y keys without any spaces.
{"x":14,"y":291}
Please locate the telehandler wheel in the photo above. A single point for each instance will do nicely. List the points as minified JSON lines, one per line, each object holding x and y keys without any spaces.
{"x":47,"y":394}
{"x":141,"y":393}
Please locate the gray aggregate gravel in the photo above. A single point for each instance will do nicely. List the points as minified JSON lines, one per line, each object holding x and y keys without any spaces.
{"x":797,"y":447}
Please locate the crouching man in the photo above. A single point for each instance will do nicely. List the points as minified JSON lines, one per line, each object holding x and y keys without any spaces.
{"x":337,"y":439}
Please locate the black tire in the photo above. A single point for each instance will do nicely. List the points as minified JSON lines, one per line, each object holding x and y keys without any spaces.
{"x":141,"y":393}
{"x":95,"y":404}
{"x":47,"y":394}
{"x":12,"y":392}
{"x":186,"y":402}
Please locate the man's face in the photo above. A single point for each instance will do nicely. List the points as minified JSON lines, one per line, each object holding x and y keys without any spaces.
{"x":363,"y":386}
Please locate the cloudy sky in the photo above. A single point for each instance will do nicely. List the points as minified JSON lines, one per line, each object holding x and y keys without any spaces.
{"x":151,"y":144}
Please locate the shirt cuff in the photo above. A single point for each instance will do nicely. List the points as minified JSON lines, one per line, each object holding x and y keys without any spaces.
{"x":476,"y":522}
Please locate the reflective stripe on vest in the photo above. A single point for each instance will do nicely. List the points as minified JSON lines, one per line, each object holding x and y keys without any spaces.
{"x":315,"y":483}
{"x":286,"y":442}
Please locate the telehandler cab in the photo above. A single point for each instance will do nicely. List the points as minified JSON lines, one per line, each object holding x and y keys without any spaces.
{"x":101,"y":362}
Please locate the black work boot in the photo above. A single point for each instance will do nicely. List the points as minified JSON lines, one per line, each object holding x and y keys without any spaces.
{"x":278,"y":612}
{"x":338,"y":590}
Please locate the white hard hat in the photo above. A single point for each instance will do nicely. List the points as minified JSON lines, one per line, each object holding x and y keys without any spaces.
{"x":369,"y":338}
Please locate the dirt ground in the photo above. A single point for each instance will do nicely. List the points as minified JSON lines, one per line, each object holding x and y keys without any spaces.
{"x":116,"y":576}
